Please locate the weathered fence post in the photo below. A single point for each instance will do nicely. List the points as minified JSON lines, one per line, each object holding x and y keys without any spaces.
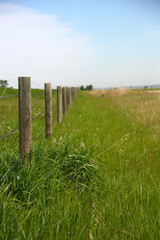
{"x":68,"y":97}
{"x":72,"y":94}
{"x":48,"y":109}
{"x":25,"y":130}
{"x":64,"y":100}
{"x":67,"y":94}
{"x":59,"y":104}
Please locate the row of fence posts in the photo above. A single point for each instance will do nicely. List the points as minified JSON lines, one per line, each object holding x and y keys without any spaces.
{"x":65,"y":97}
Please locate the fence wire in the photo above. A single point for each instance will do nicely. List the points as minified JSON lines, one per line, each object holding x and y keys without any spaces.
{"x":14,"y":130}
{"x":14,"y":95}
{"x":36,"y":84}
{"x":6,"y":135}
{"x":37,"y":93}
{"x":38,"y":115}
{"x":39,"y":136}
{"x":43,"y":133}
{"x":19,"y":160}
{"x":11,"y":132}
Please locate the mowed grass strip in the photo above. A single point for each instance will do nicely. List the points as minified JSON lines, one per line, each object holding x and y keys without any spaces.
{"x":96,"y":178}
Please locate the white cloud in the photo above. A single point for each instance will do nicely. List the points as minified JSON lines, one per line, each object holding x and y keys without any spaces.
{"x":41,"y":46}
{"x":48,"y":50}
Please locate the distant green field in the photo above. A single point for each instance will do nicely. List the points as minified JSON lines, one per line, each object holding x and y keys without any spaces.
{"x":98,"y":177}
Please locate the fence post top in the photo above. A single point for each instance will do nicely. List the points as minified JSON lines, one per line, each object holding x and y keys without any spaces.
{"x":59,"y":88}
{"x":48,"y":83}
{"x":23,"y":77}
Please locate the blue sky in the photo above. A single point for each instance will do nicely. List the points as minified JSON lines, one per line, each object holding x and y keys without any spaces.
{"x":107,"y":43}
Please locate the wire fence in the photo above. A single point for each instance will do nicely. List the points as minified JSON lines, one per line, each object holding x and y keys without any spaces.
{"x":14,"y":95}
{"x":53,"y":108}
{"x":37,"y":93}
{"x":19,"y":160}
{"x":8,"y":134}
{"x":14,"y":130}
{"x":58,"y":106}
{"x":40,"y":114}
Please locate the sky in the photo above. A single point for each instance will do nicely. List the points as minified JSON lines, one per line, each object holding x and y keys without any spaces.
{"x":106,"y":43}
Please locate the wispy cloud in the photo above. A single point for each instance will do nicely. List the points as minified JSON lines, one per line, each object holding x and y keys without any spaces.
{"x":49,"y":50}
{"x":41,"y":46}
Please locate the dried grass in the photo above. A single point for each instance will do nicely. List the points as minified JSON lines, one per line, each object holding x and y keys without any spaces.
{"x":140,"y":105}
{"x":106,"y":93}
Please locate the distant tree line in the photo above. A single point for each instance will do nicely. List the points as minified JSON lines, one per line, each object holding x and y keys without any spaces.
{"x":3,"y":83}
{"x":88,"y":87}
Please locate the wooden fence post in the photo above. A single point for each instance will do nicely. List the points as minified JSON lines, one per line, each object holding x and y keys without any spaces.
{"x":68,"y":97}
{"x":59,"y":104}
{"x":72,"y":94}
{"x":67,"y":94}
{"x":25,"y":130}
{"x":48,"y":109}
{"x":64,"y":100}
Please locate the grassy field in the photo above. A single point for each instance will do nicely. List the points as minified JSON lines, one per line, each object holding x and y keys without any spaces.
{"x":98,"y":177}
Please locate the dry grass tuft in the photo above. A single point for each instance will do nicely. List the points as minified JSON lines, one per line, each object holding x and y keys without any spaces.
{"x":108,"y":93}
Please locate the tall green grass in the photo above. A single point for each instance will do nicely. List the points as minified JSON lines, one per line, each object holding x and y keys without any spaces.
{"x":96,"y":178}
